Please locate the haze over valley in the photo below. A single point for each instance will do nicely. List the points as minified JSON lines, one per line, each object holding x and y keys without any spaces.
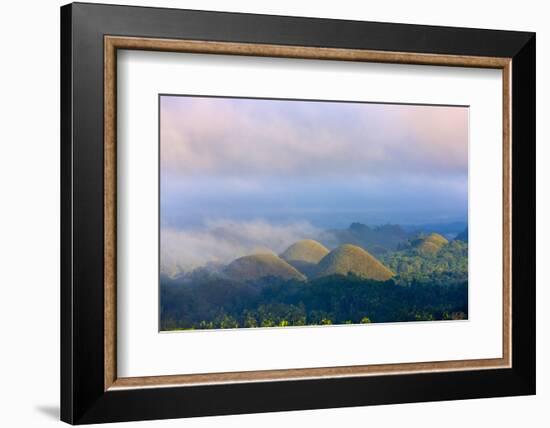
{"x":280,"y":213}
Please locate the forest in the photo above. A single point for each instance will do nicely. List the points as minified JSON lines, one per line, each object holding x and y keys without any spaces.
{"x":422,"y":277}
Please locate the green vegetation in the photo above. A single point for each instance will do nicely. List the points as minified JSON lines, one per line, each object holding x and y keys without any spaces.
{"x":412,"y":262}
{"x":425,"y":278}
{"x":335,"y":299}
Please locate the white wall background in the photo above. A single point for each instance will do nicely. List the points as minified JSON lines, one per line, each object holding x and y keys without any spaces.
{"x":29,"y":214}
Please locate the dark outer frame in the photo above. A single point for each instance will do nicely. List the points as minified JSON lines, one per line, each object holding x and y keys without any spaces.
{"x":83,"y":398}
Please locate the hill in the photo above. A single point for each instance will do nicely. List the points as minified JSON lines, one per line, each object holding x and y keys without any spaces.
{"x":306,"y":250}
{"x":430,"y":244}
{"x":258,"y":266}
{"x":304,"y":256}
{"x":349,"y":258}
{"x":416,"y":262}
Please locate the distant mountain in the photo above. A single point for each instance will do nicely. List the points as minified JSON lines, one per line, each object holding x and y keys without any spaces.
{"x":353,"y":259}
{"x":430,"y":244}
{"x":449,"y":230}
{"x":376,"y":239}
{"x":462,"y":236}
{"x":304,"y":256}
{"x":258,"y":266}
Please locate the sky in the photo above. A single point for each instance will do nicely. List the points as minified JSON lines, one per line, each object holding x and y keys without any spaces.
{"x":229,"y":163}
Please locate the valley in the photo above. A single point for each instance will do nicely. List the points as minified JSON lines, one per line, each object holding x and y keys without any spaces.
{"x":357,"y":275}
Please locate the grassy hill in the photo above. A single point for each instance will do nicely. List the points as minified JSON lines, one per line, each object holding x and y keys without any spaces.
{"x":258,"y":266}
{"x":306,"y":250}
{"x":430,"y":244}
{"x":304,"y":256}
{"x":349,"y":258}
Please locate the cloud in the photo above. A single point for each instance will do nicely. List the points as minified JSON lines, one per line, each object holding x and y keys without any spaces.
{"x":247,"y":138}
{"x":325,"y":162}
{"x":221,"y":241}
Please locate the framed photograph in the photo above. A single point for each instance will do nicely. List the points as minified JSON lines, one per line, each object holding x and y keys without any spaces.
{"x":266,"y":213}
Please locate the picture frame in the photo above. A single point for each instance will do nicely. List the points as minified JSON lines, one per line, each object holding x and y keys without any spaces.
{"x":91,"y":36}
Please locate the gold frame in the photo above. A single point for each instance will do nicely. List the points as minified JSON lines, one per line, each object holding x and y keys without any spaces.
{"x":113,"y":43}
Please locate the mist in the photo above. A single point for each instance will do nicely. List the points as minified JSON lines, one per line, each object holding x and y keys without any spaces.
{"x":221,"y":241}
{"x":239,"y":176}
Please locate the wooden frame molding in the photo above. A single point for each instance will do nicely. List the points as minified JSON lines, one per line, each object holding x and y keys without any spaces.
{"x":113,"y":43}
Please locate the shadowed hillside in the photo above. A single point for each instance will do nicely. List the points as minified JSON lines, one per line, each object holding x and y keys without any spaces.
{"x":349,"y":258}
{"x":375,"y":239}
{"x":259,"y":266}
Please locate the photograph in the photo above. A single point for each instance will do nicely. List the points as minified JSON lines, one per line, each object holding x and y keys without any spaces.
{"x":293,"y":213}
{"x":276,"y":209}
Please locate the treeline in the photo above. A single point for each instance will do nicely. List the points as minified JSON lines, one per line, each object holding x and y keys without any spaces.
{"x":411,"y":264}
{"x":213,"y":303}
